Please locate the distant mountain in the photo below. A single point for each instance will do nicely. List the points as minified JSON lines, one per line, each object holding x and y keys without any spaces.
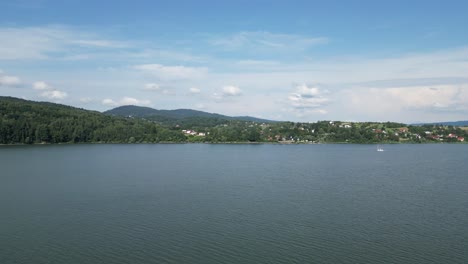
{"x":174,"y":115}
{"x":453,"y":123}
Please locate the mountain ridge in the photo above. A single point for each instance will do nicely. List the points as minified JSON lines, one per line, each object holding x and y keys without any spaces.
{"x":176,"y":114}
{"x":445,"y":123}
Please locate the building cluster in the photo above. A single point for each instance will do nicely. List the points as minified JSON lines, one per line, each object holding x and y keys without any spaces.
{"x":193,"y":133}
{"x":430,"y":135}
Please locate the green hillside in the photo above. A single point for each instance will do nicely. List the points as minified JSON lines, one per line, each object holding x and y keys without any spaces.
{"x":23,"y":121}
{"x":179,"y":116}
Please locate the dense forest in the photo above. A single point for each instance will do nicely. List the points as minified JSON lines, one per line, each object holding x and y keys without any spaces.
{"x":177,"y":115}
{"x":28,"y":122}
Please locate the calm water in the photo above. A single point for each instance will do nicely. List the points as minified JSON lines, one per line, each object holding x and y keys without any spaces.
{"x":234,"y":204}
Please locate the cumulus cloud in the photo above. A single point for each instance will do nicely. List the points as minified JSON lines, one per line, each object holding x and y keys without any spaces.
{"x":40,"y":85}
{"x":48,"y":91}
{"x":226,"y":92}
{"x":171,"y":73}
{"x":7,"y":80}
{"x":308,"y":97}
{"x":231,"y":91}
{"x":125,"y":101}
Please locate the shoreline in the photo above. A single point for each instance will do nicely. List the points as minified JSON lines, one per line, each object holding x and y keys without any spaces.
{"x":235,"y":143}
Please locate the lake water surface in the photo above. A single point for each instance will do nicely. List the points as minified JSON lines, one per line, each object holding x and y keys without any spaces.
{"x":202,"y":203}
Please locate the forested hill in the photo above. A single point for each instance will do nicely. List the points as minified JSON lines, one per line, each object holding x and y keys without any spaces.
{"x":178,"y":115}
{"x":23,"y":121}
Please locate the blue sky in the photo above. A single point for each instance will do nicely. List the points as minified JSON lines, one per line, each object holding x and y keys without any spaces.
{"x":288,"y":60}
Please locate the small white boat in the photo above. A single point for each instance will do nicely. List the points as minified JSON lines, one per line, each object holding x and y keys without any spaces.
{"x":380,"y":148}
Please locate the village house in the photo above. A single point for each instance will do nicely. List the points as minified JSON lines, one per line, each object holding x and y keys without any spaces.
{"x":451,"y":135}
{"x":189,"y":132}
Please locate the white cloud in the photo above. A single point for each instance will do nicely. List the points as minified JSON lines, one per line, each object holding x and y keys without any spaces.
{"x":41,"y":86}
{"x":427,"y":97}
{"x":7,"y":80}
{"x":126,"y":101}
{"x":194,"y":90}
{"x":304,"y":97}
{"x":109,"y":102}
{"x":48,"y":91}
{"x":408,"y":104}
{"x":226,"y":91}
{"x":231,"y":91}
{"x":133,"y":101}
{"x":308,"y":92}
{"x":54,"y":95}
{"x":171,"y":73}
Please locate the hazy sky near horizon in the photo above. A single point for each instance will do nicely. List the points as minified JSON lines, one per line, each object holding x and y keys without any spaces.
{"x":403,"y":61}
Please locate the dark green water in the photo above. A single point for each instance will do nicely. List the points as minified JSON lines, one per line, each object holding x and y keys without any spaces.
{"x":234,"y":204}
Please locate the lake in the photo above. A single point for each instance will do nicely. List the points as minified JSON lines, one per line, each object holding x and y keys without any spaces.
{"x":220,"y":203}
